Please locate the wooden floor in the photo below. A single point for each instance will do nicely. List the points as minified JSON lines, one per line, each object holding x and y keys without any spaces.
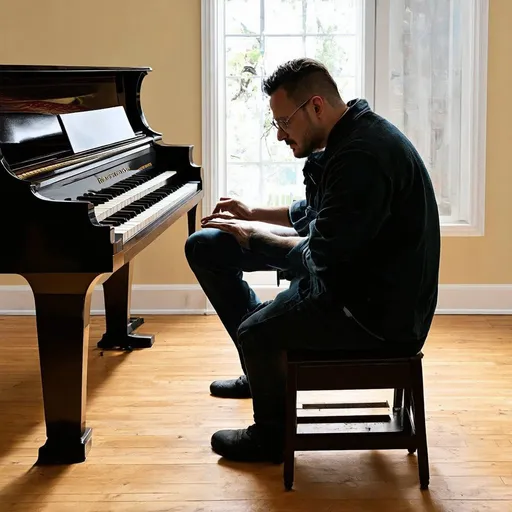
{"x":152,"y":419}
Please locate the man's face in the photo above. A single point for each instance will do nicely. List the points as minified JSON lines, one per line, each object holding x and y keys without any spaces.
{"x":297,"y":124}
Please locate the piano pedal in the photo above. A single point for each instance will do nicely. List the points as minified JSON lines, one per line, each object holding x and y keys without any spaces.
{"x":129,"y":341}
{"x":134,"y":323}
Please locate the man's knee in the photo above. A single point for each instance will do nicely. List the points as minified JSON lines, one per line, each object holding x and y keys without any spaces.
{"x":252,"y":331}
{"x":247,"y":337}
{"x":245,"y":328}
{"x":206,"y":247}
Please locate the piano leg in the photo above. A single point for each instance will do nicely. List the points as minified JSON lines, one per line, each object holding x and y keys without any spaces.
{"x":192,"y":220}
{"x":63,"y":305}
{"x":120,"y":326}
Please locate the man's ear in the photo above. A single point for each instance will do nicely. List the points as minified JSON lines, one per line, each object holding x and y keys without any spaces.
{"x":317,"y":104}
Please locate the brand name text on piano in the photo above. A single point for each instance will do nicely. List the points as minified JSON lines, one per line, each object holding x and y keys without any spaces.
{"x":109,"y":176}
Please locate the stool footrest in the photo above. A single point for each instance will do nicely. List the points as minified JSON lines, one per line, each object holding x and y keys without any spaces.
{"x":374,"y":441}
{"x":362,"y":418}
{"x":352,"y":405}
{"x":364,"y":424}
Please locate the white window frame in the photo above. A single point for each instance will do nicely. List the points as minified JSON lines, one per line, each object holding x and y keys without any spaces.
{"x":472,"y":185}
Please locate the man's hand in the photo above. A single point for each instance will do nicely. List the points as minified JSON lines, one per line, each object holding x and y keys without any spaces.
{"x":246,"y":231}
{"x":242,"y":230}
{"x":228,"y":208}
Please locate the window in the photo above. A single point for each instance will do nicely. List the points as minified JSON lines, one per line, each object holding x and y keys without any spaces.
{"x":253,"y":37}
{"x":256,"y":41}
{"x":420,"y":64}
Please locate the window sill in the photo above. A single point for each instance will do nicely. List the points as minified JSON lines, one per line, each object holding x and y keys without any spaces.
{"x":462,"y":230}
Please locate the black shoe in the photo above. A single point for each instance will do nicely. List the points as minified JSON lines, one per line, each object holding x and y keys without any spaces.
{"x":252,"y":444}
{"x":234,"y":388}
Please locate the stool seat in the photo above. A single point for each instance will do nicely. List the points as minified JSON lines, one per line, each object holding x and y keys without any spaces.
{"x":403,"y":427}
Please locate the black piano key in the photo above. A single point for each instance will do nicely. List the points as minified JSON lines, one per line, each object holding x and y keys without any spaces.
{"x":120,"y":216}
{"x":147,"y":200}
{"x":114,"y":223}
{"x":103,"y":197}
{"x":137,"y":209}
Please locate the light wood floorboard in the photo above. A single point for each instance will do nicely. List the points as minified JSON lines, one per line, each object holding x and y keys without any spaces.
{"x":152,"y":419}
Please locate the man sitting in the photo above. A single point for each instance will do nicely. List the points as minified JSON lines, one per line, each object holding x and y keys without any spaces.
{"x":361,"y":251}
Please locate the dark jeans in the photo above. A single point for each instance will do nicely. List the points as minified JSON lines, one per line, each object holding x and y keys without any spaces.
{"x":263,"y":332}
{"x":218,"y":263}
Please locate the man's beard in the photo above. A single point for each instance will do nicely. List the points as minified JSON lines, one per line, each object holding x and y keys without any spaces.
{"x":311,"y":143}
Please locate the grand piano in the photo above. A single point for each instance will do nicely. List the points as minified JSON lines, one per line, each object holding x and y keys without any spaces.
{"x":86,"y":186}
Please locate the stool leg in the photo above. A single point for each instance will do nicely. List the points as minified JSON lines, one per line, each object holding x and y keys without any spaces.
{"x":420,"y":424}
{"x":291,"y":426}
{"x":408,"y":410}
{"x":397,"y":399}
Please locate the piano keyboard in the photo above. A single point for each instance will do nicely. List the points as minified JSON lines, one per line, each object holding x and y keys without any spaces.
{"x":134,"y":217}
{"x":139,"y":222}
{"x":109,"y":200}
{"x":112,"y":206}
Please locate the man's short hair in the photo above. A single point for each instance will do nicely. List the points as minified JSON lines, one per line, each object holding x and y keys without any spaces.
{"x":301,"y":78}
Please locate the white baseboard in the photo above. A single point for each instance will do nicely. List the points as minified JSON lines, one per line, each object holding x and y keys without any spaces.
{"x":147,"y":299}
{"x":167,"y":299}
{"x":475,"y":299}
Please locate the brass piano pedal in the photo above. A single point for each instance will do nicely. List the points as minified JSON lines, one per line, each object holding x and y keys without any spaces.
{"x":127,"y":341}
{"x":134,"y":323}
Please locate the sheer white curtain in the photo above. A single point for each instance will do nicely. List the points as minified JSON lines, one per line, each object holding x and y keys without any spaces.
{"x":421,"y":61}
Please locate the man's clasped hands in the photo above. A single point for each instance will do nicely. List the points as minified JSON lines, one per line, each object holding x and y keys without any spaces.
{"x":232,"y":216}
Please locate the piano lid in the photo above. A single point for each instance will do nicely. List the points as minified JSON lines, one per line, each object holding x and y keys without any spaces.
{"x":27,"y":68}
{"x":43,"y":108}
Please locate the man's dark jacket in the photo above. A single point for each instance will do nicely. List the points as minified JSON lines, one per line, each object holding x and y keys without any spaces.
{"x":371,"y":223}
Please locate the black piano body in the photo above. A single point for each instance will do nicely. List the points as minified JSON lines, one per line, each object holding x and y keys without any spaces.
{"x":87,"y":185}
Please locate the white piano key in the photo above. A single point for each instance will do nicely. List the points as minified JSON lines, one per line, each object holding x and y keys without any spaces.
{"x":130,"y":228}
{"x":107,"y":209}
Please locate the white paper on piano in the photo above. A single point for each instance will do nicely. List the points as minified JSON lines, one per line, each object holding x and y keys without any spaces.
{"x":96,"y":128}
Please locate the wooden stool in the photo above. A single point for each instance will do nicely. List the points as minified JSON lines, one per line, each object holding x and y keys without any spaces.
{"x":403,"y":427}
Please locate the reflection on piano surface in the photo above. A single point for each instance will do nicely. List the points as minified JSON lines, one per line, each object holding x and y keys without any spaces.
{"x":87,"y":185}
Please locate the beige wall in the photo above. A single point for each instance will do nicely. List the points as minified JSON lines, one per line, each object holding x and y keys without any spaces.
{"x":165,"y":34}
{"x":488,"y":259}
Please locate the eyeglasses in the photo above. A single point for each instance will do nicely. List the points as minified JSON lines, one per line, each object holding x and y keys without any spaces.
{"x":284,"y":123}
